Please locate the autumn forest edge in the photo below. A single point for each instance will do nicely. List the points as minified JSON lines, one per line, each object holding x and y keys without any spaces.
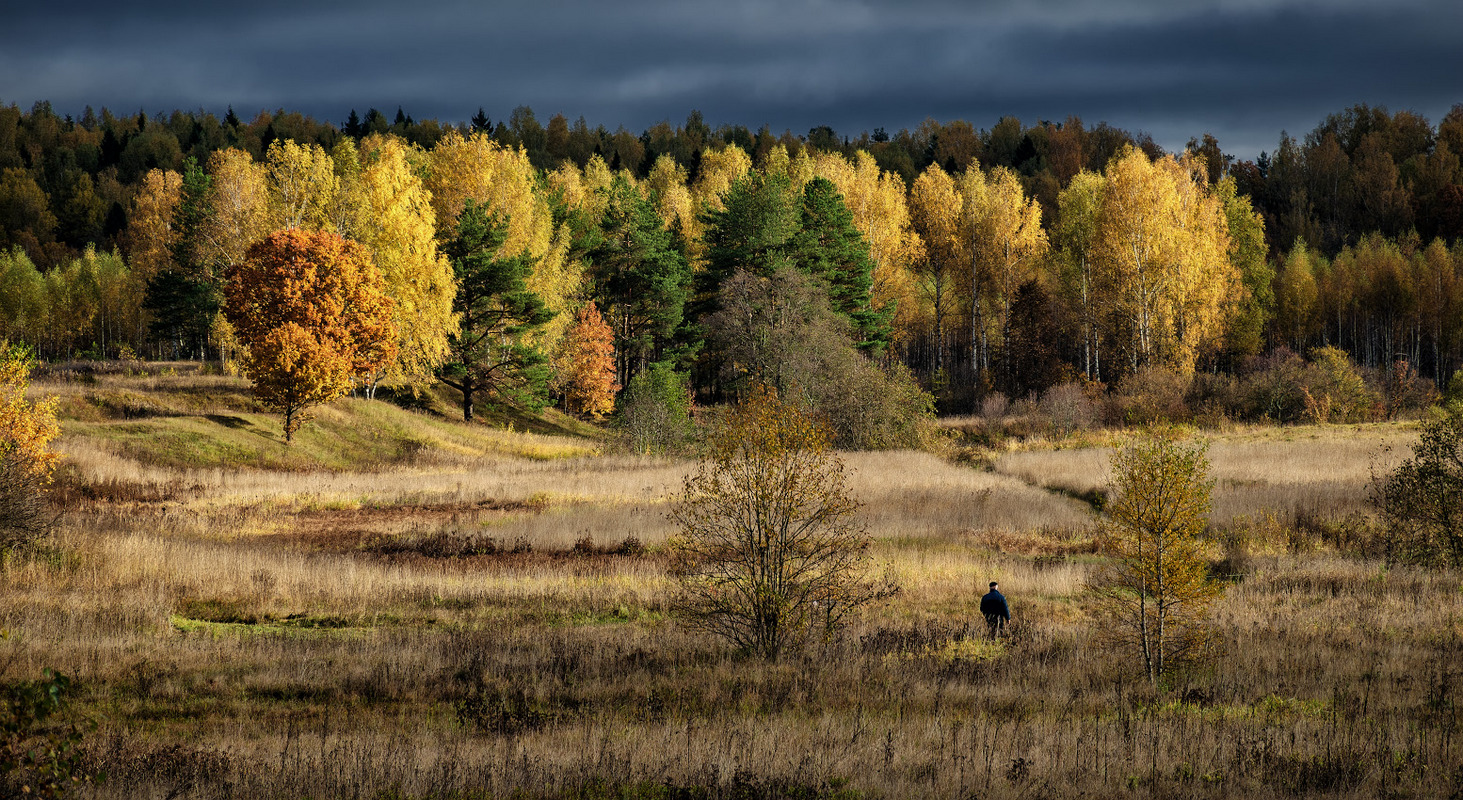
{"x":967,"y":262}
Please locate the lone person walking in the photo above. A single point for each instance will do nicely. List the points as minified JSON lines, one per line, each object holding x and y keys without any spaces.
{"x":997,"y":613}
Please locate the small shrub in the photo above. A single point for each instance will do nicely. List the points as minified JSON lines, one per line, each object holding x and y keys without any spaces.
{"x":655,"y":411}
{"x":994,"y":406}
{"x":1271,"y":387}
{"x":1406,"y":392}
{"x":1069,"y":408}
{"x":38,"y":758}
{"x":1150,"y":395}
{"x":768,"y":552}
{"x":1336,"y":391}
{"x":1422,"y":501}
{"x":26,"y":459}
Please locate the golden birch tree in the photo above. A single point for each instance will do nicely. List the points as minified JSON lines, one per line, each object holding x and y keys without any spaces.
{"x":302,"y":185}
{"x":477,"y":168}
{"x":936,"y":211}
{"x":150,"y":232}
{"x":673,"y":200}
{"x":719,"y":170}
{"x":347,"y":207}
{"x":1076,"y":235}
{"x":1007,"y":243}
{"x":396,"y":224}
{"x":238,"y":209}
{"x":1162,"y":246}
{"x":1297,"y":299}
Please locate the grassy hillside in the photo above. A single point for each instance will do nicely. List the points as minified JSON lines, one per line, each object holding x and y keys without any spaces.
{"x":174,"y":416}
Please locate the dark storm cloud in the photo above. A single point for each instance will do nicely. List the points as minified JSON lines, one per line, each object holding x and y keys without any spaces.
{"x":1242,"y":69}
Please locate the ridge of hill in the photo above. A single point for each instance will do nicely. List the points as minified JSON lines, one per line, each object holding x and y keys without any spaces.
{"x":181,"y":415}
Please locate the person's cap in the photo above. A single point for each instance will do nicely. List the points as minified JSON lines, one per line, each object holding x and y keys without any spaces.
{"x":993,"y":584}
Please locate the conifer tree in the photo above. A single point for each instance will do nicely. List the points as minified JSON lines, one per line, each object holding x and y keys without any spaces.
{"x":641,"y":277}
{"x":493,"y":350}
{"x":184,"y":296}
{"x":831,"y":248}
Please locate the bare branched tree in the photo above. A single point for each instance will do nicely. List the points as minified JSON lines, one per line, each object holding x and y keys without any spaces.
{"x":769,"y":555}
{"x":23,"y":517}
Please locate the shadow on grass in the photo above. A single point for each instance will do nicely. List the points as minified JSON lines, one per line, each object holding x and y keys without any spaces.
{"x":228,"y":421}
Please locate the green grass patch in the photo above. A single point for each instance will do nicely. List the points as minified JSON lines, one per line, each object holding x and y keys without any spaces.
{"x":346,"y":435}
{"x":289,"y":627}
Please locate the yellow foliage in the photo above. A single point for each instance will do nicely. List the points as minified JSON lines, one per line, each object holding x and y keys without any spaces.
{"x":556,"y":280}
{"x":1007,"y":243}
{"x":238,"y":209}
{"x":150,"y":234}
{"x":935,"y":210}
{"x":597,"y":179}
{"x":346,"y":208}
{"x":674,"y":203}
{"x":26,"y":428}
{"x":478,"y":168}
{"x":1076,"y":234}
{"x":719,"y":170}
{"x":1161,"y":248}
{"x":302,"y":185}
{"x":396,"y":224}
{"x":568,"y":182}
{"x":1155,"y":594}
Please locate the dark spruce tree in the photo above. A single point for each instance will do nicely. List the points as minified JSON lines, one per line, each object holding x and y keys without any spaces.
{"x":642,"y":278}
{"x":491,"y":352}
{"x":829,"y":247}
{"x":184,"y":298}
{"x":767,"y":224}
{"x":754,"y":231}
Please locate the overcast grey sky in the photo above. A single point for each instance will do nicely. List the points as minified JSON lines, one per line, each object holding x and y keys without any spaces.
{"x":1240,"y":69}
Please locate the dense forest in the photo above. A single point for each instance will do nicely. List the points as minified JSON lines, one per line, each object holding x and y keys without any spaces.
{"x":960,"y":261}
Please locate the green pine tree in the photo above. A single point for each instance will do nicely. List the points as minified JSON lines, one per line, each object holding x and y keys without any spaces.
{"x":185,"y":297}
{"x":643,"y":281}
{"x":492,"y":352}
{"x":831,"y":248}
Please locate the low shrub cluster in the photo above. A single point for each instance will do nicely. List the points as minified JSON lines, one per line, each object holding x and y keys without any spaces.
{"x":1281,"y":387}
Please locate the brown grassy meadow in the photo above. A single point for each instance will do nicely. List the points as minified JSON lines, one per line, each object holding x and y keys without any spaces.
{"x":405,"y":607}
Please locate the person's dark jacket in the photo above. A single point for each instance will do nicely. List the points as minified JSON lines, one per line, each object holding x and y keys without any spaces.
{"x":994,"y":604}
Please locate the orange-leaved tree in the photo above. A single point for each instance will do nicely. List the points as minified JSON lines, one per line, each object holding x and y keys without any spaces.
{"x":589,"y":365}
{"x":26,"y":459}
{"x":312,"y":311}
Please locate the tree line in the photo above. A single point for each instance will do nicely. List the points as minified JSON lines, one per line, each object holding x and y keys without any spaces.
{"x":959,"y":260}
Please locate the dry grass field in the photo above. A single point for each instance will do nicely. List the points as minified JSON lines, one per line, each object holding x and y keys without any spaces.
{"x":406,"y":607}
